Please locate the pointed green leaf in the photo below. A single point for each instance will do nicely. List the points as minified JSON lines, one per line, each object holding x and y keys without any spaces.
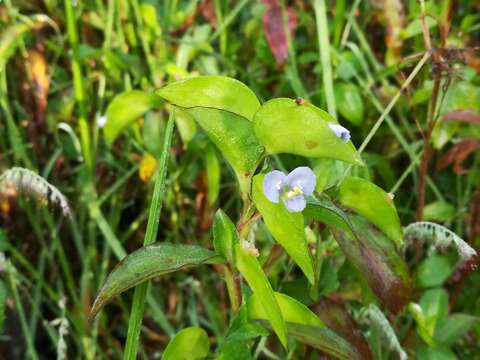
{"x":188,"y":343}
{"x":292,"y":310}
{"x":214,"y":92}
{"x":434,"y":305}
{"x":322,"y":209}
{"x":149,"y":262}
{"x":287,"y":228}
{"x":234,"y":136}
{"x":325,"y":340}
{"x":285,"y":126}
{"x":375,"y":257}
{"x":373,"y":203}
{"x":125,"y":109}
{"x":433,"y":271}
{"x":224,"y":235}
{"x":236,"y":344}
{"x":454,"y":327}
{"x":257,"y":280}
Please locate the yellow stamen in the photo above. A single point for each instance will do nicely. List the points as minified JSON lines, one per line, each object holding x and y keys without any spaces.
{"x":297,"y":190}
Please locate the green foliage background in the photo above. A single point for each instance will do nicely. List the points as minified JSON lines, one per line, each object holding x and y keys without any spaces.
{"x":62,"y":64}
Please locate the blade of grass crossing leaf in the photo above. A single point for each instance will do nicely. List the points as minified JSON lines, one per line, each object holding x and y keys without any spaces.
{"x":140,"y":294}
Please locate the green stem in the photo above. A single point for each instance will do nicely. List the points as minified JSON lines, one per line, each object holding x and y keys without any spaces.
{"x":78,"y":86}
{"x":31,"y":352}
{"x":324,"y":48}
{"x":141,"y":290}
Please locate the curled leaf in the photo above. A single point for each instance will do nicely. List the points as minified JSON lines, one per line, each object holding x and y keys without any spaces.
{"x":19,"y":180}
{"x":149,"y":262}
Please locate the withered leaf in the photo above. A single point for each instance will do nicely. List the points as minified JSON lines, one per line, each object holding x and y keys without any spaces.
{"x":274,"y":29}
{"x":457,"y":155}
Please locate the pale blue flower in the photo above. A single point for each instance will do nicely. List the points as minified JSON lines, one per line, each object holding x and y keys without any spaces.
{"x":340,"y":131}
{"x":291,"y":188}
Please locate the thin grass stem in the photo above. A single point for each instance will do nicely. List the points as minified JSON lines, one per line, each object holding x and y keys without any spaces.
{"x":141,"y":290}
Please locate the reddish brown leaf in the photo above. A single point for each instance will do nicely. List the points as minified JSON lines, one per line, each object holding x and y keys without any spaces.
{"x":376,"y":259}
{"x":394,"y":15}
{"x":337,"y":319}
{"x":207,"y":10}
{"x":457,"y":155}
{"x":274,"y":29}
{"x":466,"y":116}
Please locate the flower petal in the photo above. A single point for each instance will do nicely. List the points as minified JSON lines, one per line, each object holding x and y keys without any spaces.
{"x":295,"y":204}
{"x":302,"y":177}
{"x":340,"y":131}
{"x":273,"y":183}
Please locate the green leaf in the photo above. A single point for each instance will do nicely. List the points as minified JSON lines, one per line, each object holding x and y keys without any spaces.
{"x":257,"y":280}
{"x":224,"y":235}
{"x":349,"y":102}
{"x":305,"y":326}
{"x":242,"y":329}
{"x":125,"y":109}
{"x":189,"y":343}
{"x":186,"y":125}
{"x":431,"y":353}
{"x":292,"y":310}
{"x":153,"y":129}
{"x":431,"y":310}
{"x":12,"y":35}
{"x":234,"y":136}
{"x":454,"y":327}
{"x":213,"y":174}
{"x":325,"y":340}
{"x":213,"y":92}
{"x":438,"y":211}
{"x":323,"y":209}
{"x":286,"y":227}
{"x":373,"y":203}
{"x":149,"y":262}
{"x":376,"y":258}
{"x":284,"y":126}
{"x":433,"y":271}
